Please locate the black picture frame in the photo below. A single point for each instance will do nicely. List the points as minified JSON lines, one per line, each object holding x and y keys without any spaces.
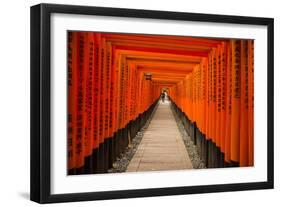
{"x":41,"y":96}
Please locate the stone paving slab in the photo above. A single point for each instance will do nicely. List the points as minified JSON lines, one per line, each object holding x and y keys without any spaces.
{"x":161,"y":147}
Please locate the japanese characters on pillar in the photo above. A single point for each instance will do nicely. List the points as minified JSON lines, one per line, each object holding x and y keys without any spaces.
{"x":235,"y":100}
{"x":87,"y":94}
{"x":79,"y":124}
{"x":72,"y":67}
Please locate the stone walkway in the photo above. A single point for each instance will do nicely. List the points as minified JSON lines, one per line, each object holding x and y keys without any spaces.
{"x":161,"y":147}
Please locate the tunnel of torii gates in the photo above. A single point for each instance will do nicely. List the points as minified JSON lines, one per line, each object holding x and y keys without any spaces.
{"x":115,"y":81}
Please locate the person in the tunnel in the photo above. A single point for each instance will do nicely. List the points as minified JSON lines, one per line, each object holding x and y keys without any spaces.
{"x":166,"y":95}
{"x":163,"y":96}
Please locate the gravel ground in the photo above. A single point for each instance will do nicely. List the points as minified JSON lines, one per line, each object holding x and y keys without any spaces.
{"x":197,"y":163}
{"x":121,"y":163}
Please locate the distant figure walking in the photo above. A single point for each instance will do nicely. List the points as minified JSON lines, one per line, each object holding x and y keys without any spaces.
{"x":163,"y":95}
{"x":166,"y":95}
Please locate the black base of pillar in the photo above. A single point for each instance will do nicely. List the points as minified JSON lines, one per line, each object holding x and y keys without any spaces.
{"x":71,"y":172}
{"x":106,"y":155}
{"x":110,"y":152}
{"x":88,"y":165}
{"x":79,"y":170}
{"x":101,"y":168}
{"x":95,"y":160}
